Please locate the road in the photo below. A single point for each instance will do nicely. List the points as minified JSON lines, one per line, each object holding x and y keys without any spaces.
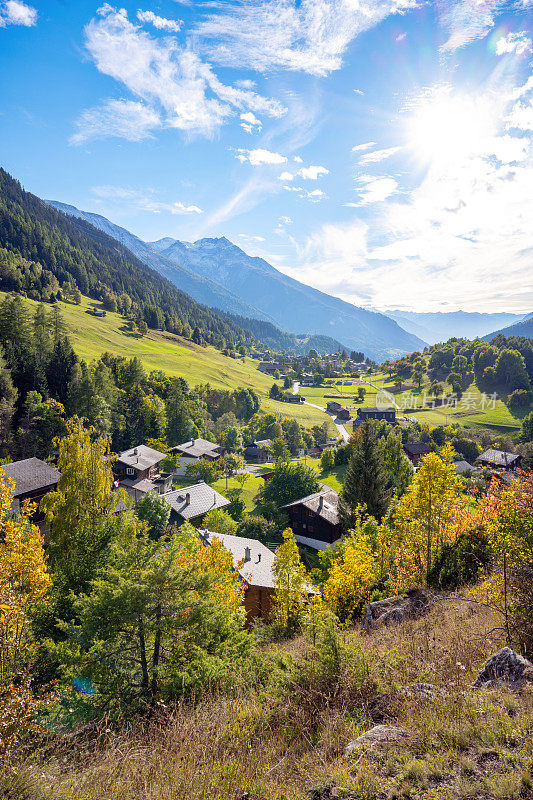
{"x":381,"y":389}
{"x":341,"y":429}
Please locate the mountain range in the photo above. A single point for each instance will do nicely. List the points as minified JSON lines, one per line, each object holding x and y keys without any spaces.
{"x":218,"y":273}
{"x":440,"y":326}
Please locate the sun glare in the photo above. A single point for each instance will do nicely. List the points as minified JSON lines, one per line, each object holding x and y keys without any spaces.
{"x":444,"y":128}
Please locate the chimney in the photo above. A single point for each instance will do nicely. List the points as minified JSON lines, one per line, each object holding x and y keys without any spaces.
{"x":192,"y":442}
{"x":135,"y":451}
{"x":188,"y":499}
{"x":320,"y":503}
{"x":247,"y":554}
{"x":258,"y":558}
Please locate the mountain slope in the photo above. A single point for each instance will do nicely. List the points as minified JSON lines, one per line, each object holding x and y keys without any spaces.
{"x":441,"y":326}
{"x":293,"y":305}
{"x":202,"y":289}
{"x":523,"y":328}
{"x":41,"y":249}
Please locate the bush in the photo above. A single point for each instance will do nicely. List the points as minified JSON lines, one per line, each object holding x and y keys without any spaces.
{"x":520,"y":398}
{"x":460,"y":562}
{"x":257,"y":527}
{"x":327,"y":460}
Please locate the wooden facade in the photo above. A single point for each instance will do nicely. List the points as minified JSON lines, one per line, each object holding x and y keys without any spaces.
{"x":312,"y":525}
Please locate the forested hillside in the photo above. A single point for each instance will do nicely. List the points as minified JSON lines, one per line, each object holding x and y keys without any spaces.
{"x":44,"y":252}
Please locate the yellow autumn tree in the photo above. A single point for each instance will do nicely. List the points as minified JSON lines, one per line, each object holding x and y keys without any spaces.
{"x":351,"y":575}
{"x":24,"y":580}
{"x":424,"y":517}
{"x":291,"y":580}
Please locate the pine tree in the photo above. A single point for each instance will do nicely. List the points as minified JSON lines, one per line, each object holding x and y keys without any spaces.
{"x":366,"y":482}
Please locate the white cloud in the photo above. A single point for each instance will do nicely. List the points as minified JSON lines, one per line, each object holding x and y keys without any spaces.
{"x":364,"y":146}
{"x":312,"y":173}
{"x":517,"y":42}
{"x":15,"y":12}
{"x":144,"y":200}
{"x":358,"y":91}
{"x":286,"y":176}
{"x":298,"y":159}
{"x":259,"y":156}
{"x":251,"y":238}
{"x":124,"y":118}
{"x":316,"y":195}
{"x":250,"y":123}
{"x":161,"y":23}
{"x":293,"y":188}
{"x":378,"y":155}
{"x":375,"y":189}
{"x":310,"y":36}
{"x":521,"y":117}
{"x":467,"y":20}
{"x":170,"y":79}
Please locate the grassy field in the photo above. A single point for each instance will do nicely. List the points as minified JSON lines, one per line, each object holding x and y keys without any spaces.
{"x":473,"y":410}
{"x":92,"y":336}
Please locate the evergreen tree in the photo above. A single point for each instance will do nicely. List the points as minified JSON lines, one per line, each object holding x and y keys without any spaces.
{"x":60,"y":368}
{"x":8,"y":397}
{"x":366,"y":482}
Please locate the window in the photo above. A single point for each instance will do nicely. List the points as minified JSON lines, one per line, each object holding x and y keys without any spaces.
{"x":130,"y":471}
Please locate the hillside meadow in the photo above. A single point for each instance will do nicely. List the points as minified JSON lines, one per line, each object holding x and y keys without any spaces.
{"x":91,"y":336}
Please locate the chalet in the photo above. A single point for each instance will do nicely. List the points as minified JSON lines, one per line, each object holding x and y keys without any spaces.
{"x":332,"y":407}
{"x":194,"y":450}
{"x":499,"y":459}
{"x":258,"y":451}
{"x":255,"y":564}
{"x":271,"y":367}
{"x":344,"y":414}
{"x":96,"y":312}
{"x":369,"y":412}
{"x":137,"y":471}
{"x":192,"y":503}
{"x":314,"y":519}
{"x":293,"y":398}
{"x":415,"y":451}
{"x":33,"y":479}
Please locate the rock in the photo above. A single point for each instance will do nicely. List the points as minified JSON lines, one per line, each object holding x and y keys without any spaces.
{"x":379,"y":736}
{"x":387,"y":706}
{"x":505,"y":667}
{"x":396,"y":609}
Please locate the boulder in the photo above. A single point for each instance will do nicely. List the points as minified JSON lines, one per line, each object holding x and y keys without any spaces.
{"x":505,"y":668}
{"x":397,"y":609}
{"x":379,"y":736}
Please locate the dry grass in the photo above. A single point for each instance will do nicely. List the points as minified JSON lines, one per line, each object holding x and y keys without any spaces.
{"x":287,"y":736}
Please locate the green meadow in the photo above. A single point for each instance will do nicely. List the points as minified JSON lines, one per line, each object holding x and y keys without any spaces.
{"x":91,"y":336}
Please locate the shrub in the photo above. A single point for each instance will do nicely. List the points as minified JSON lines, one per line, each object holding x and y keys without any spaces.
{"x":460,"y":562}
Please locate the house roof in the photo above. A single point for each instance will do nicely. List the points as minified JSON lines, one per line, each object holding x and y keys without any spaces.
{"x":463,"y":466}
{"x":263,"y":442}
{"x":256,"y":571}
{"x":31,"y":474}
{"x":198,"y":448}
{"x":141,"y":457}
{"x":327,"y":509}
{"x":498,"y":457}
{"x":202,"y":498}
{"x":132,"y":485}
{"x":416,"y":448}
{"x":373,"y":409}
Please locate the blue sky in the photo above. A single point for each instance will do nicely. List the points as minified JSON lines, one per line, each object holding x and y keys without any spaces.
{"x":380,"y":150}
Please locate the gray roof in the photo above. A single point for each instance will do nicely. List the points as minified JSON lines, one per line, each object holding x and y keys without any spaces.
{"x":462,"y":467}
{"x":326,"y":510}
{"x":257,"y":571}
{"x":141,"y":457}
{"x":373,"y":409}
{"x":498,"y":457}
{"x":198,"y":448}
{"x":416,"y":448}
{"x":263,"y":442}
{"x":202,"y":498}
{"x":30,"y":475}
{"x":132,"y":485}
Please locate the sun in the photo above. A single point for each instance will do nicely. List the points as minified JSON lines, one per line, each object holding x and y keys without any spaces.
{"x":446,"y":128}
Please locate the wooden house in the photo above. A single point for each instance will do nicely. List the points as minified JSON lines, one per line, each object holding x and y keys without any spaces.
{"x":192,"y":503}
{"x":415,"y":451}
{"x":33,"y":479}
{"x":368,"y":412}
{"x":500,"y":459}
{"x":194,"y":450}
{"x":314,"y":519}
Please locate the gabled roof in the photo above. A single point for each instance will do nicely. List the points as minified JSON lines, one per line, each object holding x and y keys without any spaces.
{"x":257,"y":571}
{"x":30,"y":475}
{"x":498,"y":457}
{"x":327,"y":509}
{"x":373,"y":409}
{"x":462,"y":467}
{"x":416,"y":448}
{"x":198,"y":448}
{"x":202,"y":498}
{"x":141,"y":457}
